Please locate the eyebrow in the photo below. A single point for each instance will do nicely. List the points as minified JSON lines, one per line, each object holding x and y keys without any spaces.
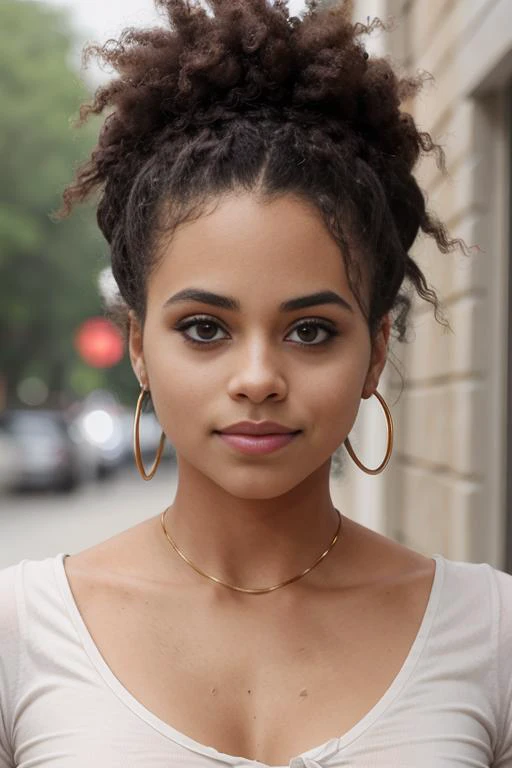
{"x":229,"y":302}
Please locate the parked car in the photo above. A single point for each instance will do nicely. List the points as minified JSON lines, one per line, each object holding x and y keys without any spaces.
{"x":51,"y":457}
{"x":98,"y":421}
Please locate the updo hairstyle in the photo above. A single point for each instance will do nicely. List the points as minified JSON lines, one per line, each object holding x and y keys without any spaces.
{"x":241,"y":97}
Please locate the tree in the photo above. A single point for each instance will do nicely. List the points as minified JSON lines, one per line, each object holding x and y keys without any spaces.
{"x":48,"y":270}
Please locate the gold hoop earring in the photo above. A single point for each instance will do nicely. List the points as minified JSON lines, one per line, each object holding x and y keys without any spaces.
{"x":389,"y":448}
{"x":136,"y":441}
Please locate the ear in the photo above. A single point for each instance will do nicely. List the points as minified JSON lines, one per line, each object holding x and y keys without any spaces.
{"x":135,"y":349}
{"x":378,"y":357}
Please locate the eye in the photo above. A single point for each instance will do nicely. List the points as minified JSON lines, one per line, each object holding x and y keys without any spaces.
{"x":309,"y":331}
{"x":205,"y":330}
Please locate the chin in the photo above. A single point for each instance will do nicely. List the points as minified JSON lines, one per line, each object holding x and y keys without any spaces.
{"x":257,"y":482}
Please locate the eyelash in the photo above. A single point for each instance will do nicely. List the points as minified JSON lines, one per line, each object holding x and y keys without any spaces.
{"x":205,"y":319}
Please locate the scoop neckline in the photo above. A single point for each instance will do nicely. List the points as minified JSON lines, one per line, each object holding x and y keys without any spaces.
{"x":321,"y":751}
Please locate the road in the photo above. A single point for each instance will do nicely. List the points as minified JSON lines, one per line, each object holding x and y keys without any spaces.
{"x":39,"y":525}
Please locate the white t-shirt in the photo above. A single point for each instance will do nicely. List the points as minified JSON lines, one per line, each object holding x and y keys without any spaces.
{"x":450,"y":706}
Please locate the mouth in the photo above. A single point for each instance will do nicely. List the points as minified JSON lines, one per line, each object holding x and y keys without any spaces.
{"x":258,"y":444}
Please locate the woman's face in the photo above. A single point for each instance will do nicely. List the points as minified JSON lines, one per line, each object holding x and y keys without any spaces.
{"x":208,"y":366}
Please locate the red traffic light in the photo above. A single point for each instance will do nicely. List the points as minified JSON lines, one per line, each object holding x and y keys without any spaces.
{"x":99,"y":343}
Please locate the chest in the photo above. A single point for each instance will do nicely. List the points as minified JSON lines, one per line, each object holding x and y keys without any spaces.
{"x":257,"y":683}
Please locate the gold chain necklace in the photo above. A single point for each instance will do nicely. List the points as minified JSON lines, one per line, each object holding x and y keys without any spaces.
{"x":258,"y":591}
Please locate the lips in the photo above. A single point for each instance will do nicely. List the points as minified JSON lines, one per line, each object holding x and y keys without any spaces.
{"x":258,"y":444}
{"x":258,"y":428}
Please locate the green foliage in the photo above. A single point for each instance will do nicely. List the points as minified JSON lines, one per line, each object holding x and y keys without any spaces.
{"x":48,"y":270}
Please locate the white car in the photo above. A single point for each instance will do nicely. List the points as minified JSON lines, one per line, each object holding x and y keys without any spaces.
{"x":50,"y":457}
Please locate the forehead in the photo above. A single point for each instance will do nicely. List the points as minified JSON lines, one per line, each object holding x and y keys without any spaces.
{"x":262,"y":251}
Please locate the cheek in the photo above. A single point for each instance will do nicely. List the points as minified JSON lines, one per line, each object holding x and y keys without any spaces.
{"x":333,"y":407}
{"x":333,"y":394}
{"x":180,"y":395}
{"x":179,"y":388}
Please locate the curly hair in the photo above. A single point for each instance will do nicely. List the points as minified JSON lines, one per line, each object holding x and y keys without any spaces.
{"x":241,"y":96}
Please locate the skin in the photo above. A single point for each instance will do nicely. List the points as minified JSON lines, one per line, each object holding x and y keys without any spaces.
{"x":254,"y":520}
{"x":278,"y":673}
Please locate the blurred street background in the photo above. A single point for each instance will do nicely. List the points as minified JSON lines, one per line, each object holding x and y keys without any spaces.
{"x":67,"y":391}
{"x":35,"y":525}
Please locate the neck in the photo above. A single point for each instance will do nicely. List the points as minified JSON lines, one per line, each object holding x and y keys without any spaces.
{"x":250,"y":542}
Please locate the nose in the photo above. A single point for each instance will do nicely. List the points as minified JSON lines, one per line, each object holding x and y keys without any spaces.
{"x":257,"y":374}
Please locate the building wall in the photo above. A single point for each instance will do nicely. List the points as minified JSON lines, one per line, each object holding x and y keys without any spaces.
{"x":446,"y":484}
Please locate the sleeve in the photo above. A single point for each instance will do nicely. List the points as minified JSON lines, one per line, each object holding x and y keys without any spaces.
{"x":9,"y":645}
{"x":503,"y":752}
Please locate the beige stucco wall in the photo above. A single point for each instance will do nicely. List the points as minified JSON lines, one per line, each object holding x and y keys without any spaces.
{"x":444,"y":490}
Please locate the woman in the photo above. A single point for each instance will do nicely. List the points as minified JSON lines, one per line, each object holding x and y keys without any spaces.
{"x":258,"y":198}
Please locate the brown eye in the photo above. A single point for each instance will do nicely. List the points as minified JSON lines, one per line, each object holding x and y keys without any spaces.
{"x":206,"y":330}
{"x":200,"y":331}
{"x":307,"y":333}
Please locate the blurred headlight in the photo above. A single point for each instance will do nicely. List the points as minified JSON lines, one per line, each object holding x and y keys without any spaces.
{"x":98,"y":426}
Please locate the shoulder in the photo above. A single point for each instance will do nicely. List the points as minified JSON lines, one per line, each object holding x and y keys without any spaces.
{"x":503,"y":600}
{"x":479,"y":585}
{"x":479,"y":581}
{"x":476,"y":607}
{"x":124,"y":552}
{"x":503,"y":582}
{"x":8,"y":606}
{"x":8,"y":577}
{"x":10,"y":641}
{"x":26,"y":588}
{"x":27,"y":592}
